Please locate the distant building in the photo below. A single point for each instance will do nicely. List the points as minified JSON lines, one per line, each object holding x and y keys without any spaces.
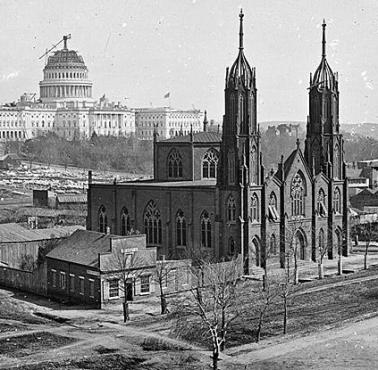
{"x":65,"y":105}
{"x":167,"y":122}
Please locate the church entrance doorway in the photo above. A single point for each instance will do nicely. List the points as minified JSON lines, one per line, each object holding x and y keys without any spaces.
{"x":300,"y":245}
{"x":256,"y":251}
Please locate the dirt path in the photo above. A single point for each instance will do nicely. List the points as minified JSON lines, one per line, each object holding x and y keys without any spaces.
{"x":353,"y":346}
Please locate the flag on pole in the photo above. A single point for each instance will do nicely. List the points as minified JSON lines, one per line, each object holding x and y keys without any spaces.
{"x":167,"y":95}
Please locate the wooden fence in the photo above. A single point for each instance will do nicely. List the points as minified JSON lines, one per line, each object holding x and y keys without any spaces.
{"x":28,"y":281}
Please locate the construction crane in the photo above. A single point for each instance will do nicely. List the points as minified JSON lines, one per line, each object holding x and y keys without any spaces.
{"x":64,"y":39}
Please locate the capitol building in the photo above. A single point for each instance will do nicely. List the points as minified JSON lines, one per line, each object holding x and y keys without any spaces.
{"x":66,"y":107}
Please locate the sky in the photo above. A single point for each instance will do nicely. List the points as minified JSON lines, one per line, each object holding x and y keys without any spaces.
{"x":143,"y":49}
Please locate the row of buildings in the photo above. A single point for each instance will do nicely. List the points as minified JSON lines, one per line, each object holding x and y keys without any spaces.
{"x":66,"y":106}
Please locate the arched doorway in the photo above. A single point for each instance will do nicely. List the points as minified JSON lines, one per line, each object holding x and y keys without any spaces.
{"x":256,"y":250}
{"x":300,"y":245}
{"x":339,"y":241}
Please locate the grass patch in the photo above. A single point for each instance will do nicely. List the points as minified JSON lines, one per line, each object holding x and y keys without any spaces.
{"x":104,"y":362}
{"x":25,"y":345}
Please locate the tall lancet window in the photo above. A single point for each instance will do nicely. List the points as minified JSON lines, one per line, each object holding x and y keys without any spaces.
{"x":210,"y":164}
{"x":152,"y":224}
{"x":337,"y":200}
{"x":231,"y":167}
{"x":254,"y":165}
{"x":174,"y":164}
{"x":255,"y":211}
{"x":180,"y":229}
{"x":336,"y":162}
{"x":205,"y":230}
{"x":125,"y":221}
{"x":102,"y":220}
{"x":297,"y":196}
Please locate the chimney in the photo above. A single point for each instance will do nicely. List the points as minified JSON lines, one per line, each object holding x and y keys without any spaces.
{"x":89,"y":178}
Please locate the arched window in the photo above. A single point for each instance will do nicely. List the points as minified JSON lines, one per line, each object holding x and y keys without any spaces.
{"x":152,"y":224}
{"x":255,"y":214}
{"x":273,"y":200}
{"x":205,"y":230}
{"x":297,"y":196}
{"x":174,"y":164}
{"x":321,"y":208}
{"x":180,"y":229}
{"x":125,"y":221}
{"x":336,"y":162}
{"x":231,"y":209}
{"x":337,"y":200}
{"x":254,"y":165}
{"x":102,"y":220}
{"x":210,"y":164}
{"x":273,"y":245}
{"x":321,"y":242}
{"x":272,"y":207}
{"x":231,"y":167}
{"x":231,"y":246}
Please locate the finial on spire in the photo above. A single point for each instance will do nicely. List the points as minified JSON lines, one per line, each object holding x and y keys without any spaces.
{"x":205,"y":122}
{"x":324,"y":39}
{"x":241,"y":15}
{"x":298,"y":143}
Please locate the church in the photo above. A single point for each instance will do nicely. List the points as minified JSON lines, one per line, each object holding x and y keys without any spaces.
{"x":210,"y":192}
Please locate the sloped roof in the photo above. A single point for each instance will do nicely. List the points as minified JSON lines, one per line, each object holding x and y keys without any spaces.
{"x":198,"y":137}
{"x":72,"y":198}
{"x":82,"y":247}
{"x":14,"y":233}
{"x":289,"y":162}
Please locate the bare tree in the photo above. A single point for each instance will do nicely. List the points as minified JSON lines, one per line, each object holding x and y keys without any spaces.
{"x":130,"y":266}
{"x":287,"y":288}
{"x":322,"y":251}
{"x":163,"y":274}
{"x":218,"y":305}
{"x":263,"y":299}
{"x":369,"y":235}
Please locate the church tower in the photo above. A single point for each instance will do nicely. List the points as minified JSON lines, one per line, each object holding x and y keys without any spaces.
{"x":240,"y":148}
{"x":324,"y":143}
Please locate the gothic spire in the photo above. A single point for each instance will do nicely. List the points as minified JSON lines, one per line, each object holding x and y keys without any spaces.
{"x":241,"y":15}
{"x":324,"y":39}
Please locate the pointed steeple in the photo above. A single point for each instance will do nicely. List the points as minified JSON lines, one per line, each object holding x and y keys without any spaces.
{"x":241,"y":15}
{"x":324,"y":39}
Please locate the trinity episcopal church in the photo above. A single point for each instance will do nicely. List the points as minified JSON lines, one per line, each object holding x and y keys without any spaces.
{"x":210,"y":192}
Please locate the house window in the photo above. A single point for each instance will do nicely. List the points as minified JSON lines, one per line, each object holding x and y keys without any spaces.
{"x":174,"y":164}
{"x":255,"y":214}
{"x":63,"y":280}
{"x":321,"y":203}
{"x":81,"y":285}
{"x":125,"y":221}
{"x":231,"y":209}
{"x":102,"y":220}
{"x":145,"y":284}
{"x":297,"y":196}
{"x":72,"y":282}
{"x":53,"y":277}
{"x":114,"y":288}
{"x":152,"y":224}
{"x":205,"y":230}
{"x":337,"y":200}
{"x":180,"y":229}
{"x":210,"y":164}
{"x":91,"y":288}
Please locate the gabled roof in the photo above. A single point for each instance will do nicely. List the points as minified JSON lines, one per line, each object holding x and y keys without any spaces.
{"x":289,"y":162}
{"x":198,"y":137}
{"x":82,"y":247}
